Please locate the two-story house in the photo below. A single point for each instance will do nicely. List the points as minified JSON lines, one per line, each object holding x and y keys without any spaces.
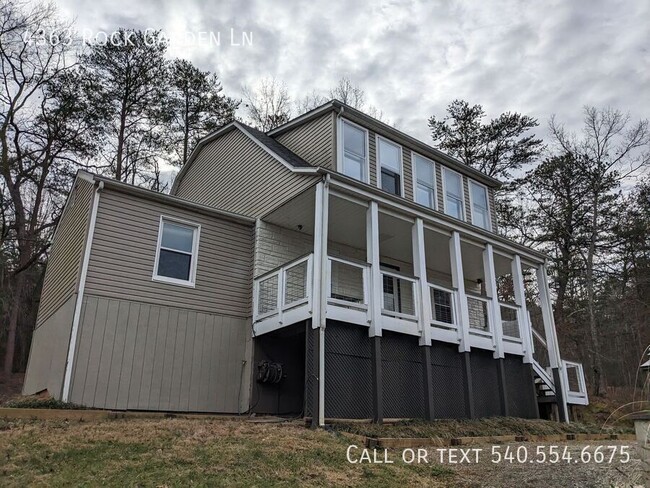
{"x":333,"y":267}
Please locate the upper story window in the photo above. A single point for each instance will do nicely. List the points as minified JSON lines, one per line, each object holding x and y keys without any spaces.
{"x":425,"y":181}
{"x":389,"y":159}
{"x":177,"y":251}
{"x":480,"y":209}
{"x":453,"y":190}
{"x":355,"y":153}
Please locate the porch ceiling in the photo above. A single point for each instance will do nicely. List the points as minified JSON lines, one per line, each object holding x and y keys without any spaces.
{"x":297,"y":214}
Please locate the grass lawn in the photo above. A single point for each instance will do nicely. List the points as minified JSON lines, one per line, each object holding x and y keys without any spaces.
{"x":182,"y":452}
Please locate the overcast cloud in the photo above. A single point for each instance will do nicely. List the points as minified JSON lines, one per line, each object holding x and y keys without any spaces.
{"x":412,"y":58}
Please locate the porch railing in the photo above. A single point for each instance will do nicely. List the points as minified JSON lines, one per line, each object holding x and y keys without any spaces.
{"x":576,"y":386}
{"x":510,"y":325}
{"x":399,"y":295}
{"x":348,"y":283}
{"x":282,"y":289}
{"x":479,"y":314}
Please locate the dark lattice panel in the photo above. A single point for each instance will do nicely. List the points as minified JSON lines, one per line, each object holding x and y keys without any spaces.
{"x":348,"y":371}
{"x":485,"y":383}
{"x":309,"y":370}
{"x":448,"y":381}
{"x":403,"y":376}
{"x":520,"y":387}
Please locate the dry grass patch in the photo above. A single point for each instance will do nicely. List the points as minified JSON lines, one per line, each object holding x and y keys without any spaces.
{"x":181,"y":452}
{"x":494,"y":426}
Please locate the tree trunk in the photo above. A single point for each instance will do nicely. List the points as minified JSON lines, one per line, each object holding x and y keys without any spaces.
{"x":596,"y":362}
{"x":17,"y":302}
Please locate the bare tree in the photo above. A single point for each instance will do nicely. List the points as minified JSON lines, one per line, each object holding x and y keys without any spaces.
{"x":611,"y":149}
{"x":347,"y":92}
{"x":310,"y":102}
{"x":268,"y":104}
{"x":44,"y":123}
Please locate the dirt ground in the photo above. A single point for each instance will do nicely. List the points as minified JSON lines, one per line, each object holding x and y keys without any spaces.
{"x":11,"y":387}
{"x":562,"y":474}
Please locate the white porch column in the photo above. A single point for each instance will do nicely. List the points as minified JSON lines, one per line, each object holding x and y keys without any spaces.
{"x":420,"y":271}
{"x":551,"y":341}
{"x":458,"y":282}
{"x":520,"y":300}
{"x":375,"y":287}
{"x":491,"y":292}
{"x":319,"y":288}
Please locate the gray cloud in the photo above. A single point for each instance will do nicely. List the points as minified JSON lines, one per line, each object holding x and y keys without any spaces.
{"x":412,"y":58}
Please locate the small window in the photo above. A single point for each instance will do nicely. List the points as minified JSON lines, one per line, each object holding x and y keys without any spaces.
{"x":176,"y":255}
{"x":453,"y":194}
{"x":389,"y":157}
{"x":354,"y":152}
{"x":425,"y":177}
{"x":480,"y":208}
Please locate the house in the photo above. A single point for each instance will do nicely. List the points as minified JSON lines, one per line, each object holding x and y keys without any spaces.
{"x":333,"y":267}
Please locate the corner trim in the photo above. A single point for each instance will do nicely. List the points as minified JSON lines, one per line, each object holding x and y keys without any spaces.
{"x":67,"y":379}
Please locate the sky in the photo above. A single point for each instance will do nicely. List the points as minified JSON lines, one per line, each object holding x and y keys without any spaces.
{"x":411,"y":58}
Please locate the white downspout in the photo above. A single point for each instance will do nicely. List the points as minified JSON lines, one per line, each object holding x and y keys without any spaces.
{"x":80,"y":293}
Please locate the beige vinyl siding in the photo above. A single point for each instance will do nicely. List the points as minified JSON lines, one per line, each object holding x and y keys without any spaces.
{"x":468,"y":207}
{"x":493,"y":210}
{"x":313,"y":141}
{"x":124,"y":249}
{"x":372,"y":157}
{"x":49,"y":351}
{"x":140,"y":356}
{"x":64,"y":263}
{"x":407,"y":166}
{"x":439,"y":193}
{"x":233,"y":173}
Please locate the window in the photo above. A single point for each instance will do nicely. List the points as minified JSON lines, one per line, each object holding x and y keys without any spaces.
{"x":453,"y":186}
{"x":425,"y":178}
{"x":354,"y":157}
{"x":177,"y":251}
{"x":480,"y":210}
{"x":389,"y":159}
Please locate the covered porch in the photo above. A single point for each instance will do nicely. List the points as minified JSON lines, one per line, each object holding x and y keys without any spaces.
{"x":426,"y":280}
{"x":336,"y":253}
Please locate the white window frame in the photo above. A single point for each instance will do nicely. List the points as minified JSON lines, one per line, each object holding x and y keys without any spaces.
{"x":444,"y":193}
{"x":487,"y":200}
{"x":415,"y":180}
{"x":378,"y":163}
{"x":195,"y":252}
{"x":341,"y":149}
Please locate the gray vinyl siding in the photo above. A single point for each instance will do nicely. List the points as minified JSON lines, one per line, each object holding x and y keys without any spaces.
{"x":314,"y":141}
{"x":49,"y":351}
{"x":64,"y":263}
{"x":493,"y":210}
{"x":141,"y":356}
{"x":233,"y":173}
{"x":124,"y":248}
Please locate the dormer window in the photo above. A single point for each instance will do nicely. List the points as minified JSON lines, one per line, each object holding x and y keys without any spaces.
{"x":480,"y":209}
{"x":354,"y":159}
{"x":389,"y":159}
{"x":453,"y":190}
